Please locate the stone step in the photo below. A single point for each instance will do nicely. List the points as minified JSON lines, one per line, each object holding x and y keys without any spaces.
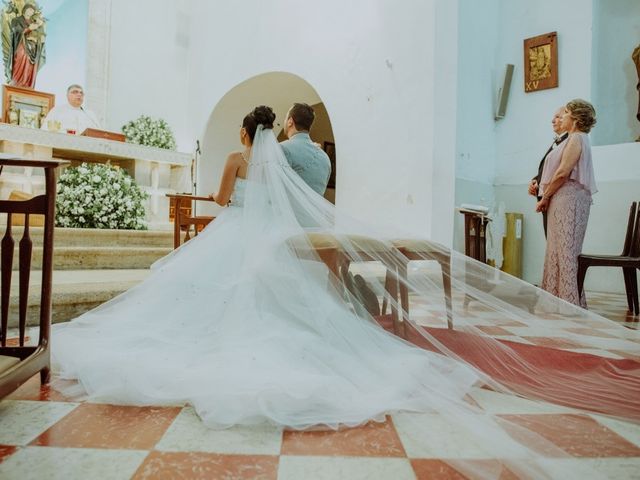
{"x":92,"y":237}
{"x":98,"y":258}
{"x":74,"y":292}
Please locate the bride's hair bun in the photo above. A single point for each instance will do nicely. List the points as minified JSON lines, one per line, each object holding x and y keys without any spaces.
{"x":261,"y":115}
{"x":264,"y":116}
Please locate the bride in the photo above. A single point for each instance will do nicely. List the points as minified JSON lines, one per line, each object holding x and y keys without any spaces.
{"x":248,"y":325}
{"x":239,"y":326}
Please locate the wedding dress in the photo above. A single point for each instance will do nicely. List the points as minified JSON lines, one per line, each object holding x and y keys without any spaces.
{"x":237,"y":325}
{"x":247,"y":325}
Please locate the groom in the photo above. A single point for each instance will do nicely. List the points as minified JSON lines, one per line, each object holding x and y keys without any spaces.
{"x":304,"y":156}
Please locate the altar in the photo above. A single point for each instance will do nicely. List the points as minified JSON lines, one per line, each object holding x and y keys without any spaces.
{"x":157,"y":171}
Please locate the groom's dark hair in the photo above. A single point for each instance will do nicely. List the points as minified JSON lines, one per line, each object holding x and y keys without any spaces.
{"x":303,"y":116}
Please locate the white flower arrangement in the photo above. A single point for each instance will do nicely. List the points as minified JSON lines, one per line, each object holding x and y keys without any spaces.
{"x":99,"y":196}
{"x":152,"y":133}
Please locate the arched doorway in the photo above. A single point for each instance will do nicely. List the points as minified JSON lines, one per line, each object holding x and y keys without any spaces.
{"x":279,"y":90}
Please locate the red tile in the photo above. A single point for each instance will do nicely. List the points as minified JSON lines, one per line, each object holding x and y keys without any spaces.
{"x":441,"y":470}
{"x":370,"y":440}
{"x":193,"y":465}
{"x":6,"y":451}
{"x":33,"y":390}
{"x":15,"y":341}
{"x":93,"y":425}
{"x":577,"y":435}
{"x":435,"y":470}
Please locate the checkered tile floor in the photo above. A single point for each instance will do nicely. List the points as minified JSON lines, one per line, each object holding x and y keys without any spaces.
{"x":43,"y":435}
{"x":593,"y":336}
{"x":46,"y":435}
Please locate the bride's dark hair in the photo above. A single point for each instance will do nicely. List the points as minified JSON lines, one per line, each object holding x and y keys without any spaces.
{"x":261,"y":115}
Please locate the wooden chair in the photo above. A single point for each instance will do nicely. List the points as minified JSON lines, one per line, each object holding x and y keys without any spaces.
{"x":332,"y":253}
{"x":628,"y":260}
{"x":183,"y":219}
{"x":396,"y":257}
{"x":416,"y":250}
{"x":21,"y":362}
{"x":367,"y":250}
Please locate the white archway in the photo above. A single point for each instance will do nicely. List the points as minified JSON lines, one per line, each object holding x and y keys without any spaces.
{"x":279,"y":90}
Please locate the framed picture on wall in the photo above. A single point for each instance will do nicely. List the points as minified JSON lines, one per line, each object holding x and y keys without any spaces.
{"x":541,"y":62}
{"x":25,"y":107}
{"x":330,"y":149}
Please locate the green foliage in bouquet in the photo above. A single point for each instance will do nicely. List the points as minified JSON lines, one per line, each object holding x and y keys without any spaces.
{"x":149,"y":132}
{"x":99,"y":196}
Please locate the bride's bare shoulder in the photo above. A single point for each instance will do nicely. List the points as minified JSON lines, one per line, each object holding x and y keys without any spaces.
{"x":234,"y":157}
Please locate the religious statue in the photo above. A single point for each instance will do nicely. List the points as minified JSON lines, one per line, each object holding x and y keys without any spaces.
{"x":636,"y":59}
{"x":23,"y":35}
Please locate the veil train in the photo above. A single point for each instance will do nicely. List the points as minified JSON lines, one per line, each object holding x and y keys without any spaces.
{"x":286,"y":310}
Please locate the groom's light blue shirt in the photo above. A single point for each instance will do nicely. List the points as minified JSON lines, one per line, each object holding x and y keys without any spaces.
{"x":308,"y":161}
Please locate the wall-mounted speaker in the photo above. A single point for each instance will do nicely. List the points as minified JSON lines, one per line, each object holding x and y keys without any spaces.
{"x":503,"y":92}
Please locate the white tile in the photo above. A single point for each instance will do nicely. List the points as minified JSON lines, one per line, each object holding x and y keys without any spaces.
{"x":352,"y":468}
{"x":432,"y":436}
{"x":21,"y":421}
{"x":505,"y":404}
{"x":556,"y":324}
{"x":535,"y":332}
{"x":71,"y":464}
{"x":628,"y":430}
{"x":591,"y":468}
{"x":609,"y":344}
{"x":188,"y":433}
{"x":31,"y":332}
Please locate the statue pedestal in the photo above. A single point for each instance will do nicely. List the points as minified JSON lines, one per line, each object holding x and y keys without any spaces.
{"x":157,"y":171}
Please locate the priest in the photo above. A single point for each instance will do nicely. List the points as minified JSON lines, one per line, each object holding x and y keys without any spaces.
{"x":71,"y":118}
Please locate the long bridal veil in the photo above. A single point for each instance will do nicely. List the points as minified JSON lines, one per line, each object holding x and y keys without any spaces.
{"x":282,"y":311}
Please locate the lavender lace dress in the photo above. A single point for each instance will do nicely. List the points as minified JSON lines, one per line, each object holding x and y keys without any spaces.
{"x":568,"y":214}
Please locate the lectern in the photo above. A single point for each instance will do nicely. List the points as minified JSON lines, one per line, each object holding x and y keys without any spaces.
{"x":475,"y":228}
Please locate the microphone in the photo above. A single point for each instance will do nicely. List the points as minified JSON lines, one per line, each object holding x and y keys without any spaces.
{"x":95,"y":124}
{"x":198,"y":151}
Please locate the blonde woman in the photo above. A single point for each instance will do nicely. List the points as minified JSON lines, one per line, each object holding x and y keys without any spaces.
{"x":566,"y":186}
